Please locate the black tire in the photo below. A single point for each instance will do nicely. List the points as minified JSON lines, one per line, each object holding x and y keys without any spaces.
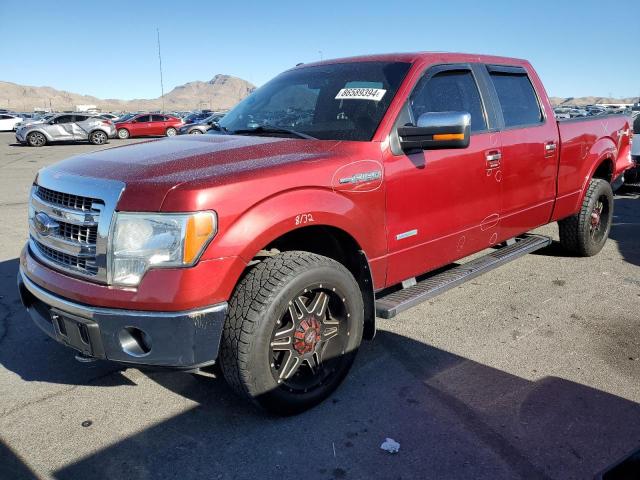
{"x":123,"y":134}
{"x":195,"y":131}
{"x":255,"y":355}
{"x":171,"y":132}
{"x":36,"y":139}
{"x":586,"y":232}
{"x":98,"y":137}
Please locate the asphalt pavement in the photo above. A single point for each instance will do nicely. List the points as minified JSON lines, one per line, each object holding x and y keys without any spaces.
{"x":530,"y":371}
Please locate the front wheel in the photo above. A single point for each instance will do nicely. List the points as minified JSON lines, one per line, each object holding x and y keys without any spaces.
{"x":171,"y":132}
{"x":294,"y":326}
{"x":123,"y":134}
{"x":195,"y":131}
{"x":586,"y":232}
{"x":36,"y":139}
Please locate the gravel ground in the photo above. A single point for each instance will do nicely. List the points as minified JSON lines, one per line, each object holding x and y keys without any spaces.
{"x":530,"y":371}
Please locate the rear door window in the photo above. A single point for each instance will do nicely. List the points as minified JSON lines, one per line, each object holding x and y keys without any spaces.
{"x":143,"y":118}
{"x":158,"y":118}
{"x":518,"y":99}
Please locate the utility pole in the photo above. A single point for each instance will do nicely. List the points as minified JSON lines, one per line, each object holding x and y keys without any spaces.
{"x":160,"y":60}
{"x":320,"y":52}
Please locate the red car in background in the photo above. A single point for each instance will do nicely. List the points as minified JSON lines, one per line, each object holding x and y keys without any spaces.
{"x":149,"y":124}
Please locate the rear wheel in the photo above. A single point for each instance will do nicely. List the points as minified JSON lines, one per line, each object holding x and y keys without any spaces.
{"x":171,"y":132}
{"x":586,"y":232}
{"x":195,"y":131}
{"x":36,"y":139}
{"x":98,"y":137}
{"x":123,"y":134}
{"x":294,"y":326}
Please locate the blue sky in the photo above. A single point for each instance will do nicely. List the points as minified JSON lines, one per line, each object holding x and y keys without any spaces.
{"x":108,"y":49}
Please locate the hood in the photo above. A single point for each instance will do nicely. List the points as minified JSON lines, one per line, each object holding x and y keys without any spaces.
{"x":151,"y":169}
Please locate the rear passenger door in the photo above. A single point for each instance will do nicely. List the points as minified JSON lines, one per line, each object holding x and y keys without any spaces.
{"x":529,"y":150}
{"x":78,"y":129}
{"x":158,"y":125}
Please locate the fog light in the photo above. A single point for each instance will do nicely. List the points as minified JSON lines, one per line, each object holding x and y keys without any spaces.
{"x":134,"y":342}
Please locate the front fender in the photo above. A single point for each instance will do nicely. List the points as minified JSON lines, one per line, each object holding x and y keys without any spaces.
{"x":287,"y":211}
{"x":40,"y":130}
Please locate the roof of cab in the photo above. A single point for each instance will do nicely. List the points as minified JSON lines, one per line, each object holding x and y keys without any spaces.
{"x":414,"y":57}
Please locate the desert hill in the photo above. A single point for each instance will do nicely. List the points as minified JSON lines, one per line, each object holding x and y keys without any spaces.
{"x":221,"y":92}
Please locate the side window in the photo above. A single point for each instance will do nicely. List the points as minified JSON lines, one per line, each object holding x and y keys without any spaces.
{"x":143,"y":118}
{"x":63,"y":119}
{"x":449,"y":91}
{"x":158,"y":118}
{"x":518,"y":99}
{"x":80,"y":118}
{"x":4,"y":117}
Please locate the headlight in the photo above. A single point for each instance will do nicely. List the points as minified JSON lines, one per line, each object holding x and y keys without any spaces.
{"x":146,"y":240}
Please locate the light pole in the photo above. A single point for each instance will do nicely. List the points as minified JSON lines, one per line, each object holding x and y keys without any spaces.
{"x":160,"y":60}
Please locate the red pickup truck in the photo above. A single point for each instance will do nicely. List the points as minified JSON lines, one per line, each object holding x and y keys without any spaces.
{"x":269,"y":246}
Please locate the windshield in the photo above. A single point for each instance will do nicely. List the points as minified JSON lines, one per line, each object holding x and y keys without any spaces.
{"x":342,"y":101}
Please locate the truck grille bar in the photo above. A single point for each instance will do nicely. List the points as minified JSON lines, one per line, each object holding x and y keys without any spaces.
{"x":69,"y":223}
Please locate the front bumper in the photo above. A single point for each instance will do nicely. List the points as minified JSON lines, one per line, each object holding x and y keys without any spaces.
{"x":185,"y":340}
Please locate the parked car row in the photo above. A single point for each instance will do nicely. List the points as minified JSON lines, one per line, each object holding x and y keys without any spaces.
{"x":574,"y":111}
{"x":99,"y":128}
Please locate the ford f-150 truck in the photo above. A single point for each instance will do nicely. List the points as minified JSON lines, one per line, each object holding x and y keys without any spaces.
{"x":268,"y":247}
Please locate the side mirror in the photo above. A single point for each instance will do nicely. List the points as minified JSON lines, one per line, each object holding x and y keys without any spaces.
{"x":437,"y":130}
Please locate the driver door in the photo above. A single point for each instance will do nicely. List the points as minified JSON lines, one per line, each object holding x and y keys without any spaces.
{"x":61,"y":128}
{"x":141,"y":125}
{"x":443,"y":204}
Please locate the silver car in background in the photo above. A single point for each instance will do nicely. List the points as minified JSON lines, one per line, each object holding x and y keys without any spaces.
{"x":67,"y":127}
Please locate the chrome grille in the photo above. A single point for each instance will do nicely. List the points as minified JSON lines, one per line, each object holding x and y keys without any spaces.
{"x":67,"y":200}
{"x":79,"y":233}
{"x":86,"y":265}
{"x":70,"y":220}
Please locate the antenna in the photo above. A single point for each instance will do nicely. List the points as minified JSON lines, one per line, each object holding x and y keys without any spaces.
{"x":160,"y":60}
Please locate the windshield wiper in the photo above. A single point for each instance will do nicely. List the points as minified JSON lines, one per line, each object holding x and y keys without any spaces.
{"x":272,"y":129}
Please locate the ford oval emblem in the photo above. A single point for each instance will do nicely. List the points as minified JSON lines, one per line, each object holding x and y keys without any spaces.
{"x":44,"y":224}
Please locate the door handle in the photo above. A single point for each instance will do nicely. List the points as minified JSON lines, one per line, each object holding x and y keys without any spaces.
{"x":493,"y":159}
{"x":550,"y":147}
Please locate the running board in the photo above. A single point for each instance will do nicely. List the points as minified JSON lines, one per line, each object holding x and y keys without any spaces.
{"x":388,"y":306}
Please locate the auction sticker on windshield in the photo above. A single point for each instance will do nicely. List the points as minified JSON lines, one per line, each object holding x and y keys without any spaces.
{"x":375,"y":94}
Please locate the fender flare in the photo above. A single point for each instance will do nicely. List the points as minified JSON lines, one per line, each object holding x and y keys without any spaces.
{"x":603,"y":150}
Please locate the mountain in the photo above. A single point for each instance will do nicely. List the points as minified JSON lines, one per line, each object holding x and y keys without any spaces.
{"x":557,"y":101}
{"x":220,"y":93}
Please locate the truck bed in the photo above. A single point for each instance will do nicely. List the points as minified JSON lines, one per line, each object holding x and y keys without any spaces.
{"x":582,"y":142}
